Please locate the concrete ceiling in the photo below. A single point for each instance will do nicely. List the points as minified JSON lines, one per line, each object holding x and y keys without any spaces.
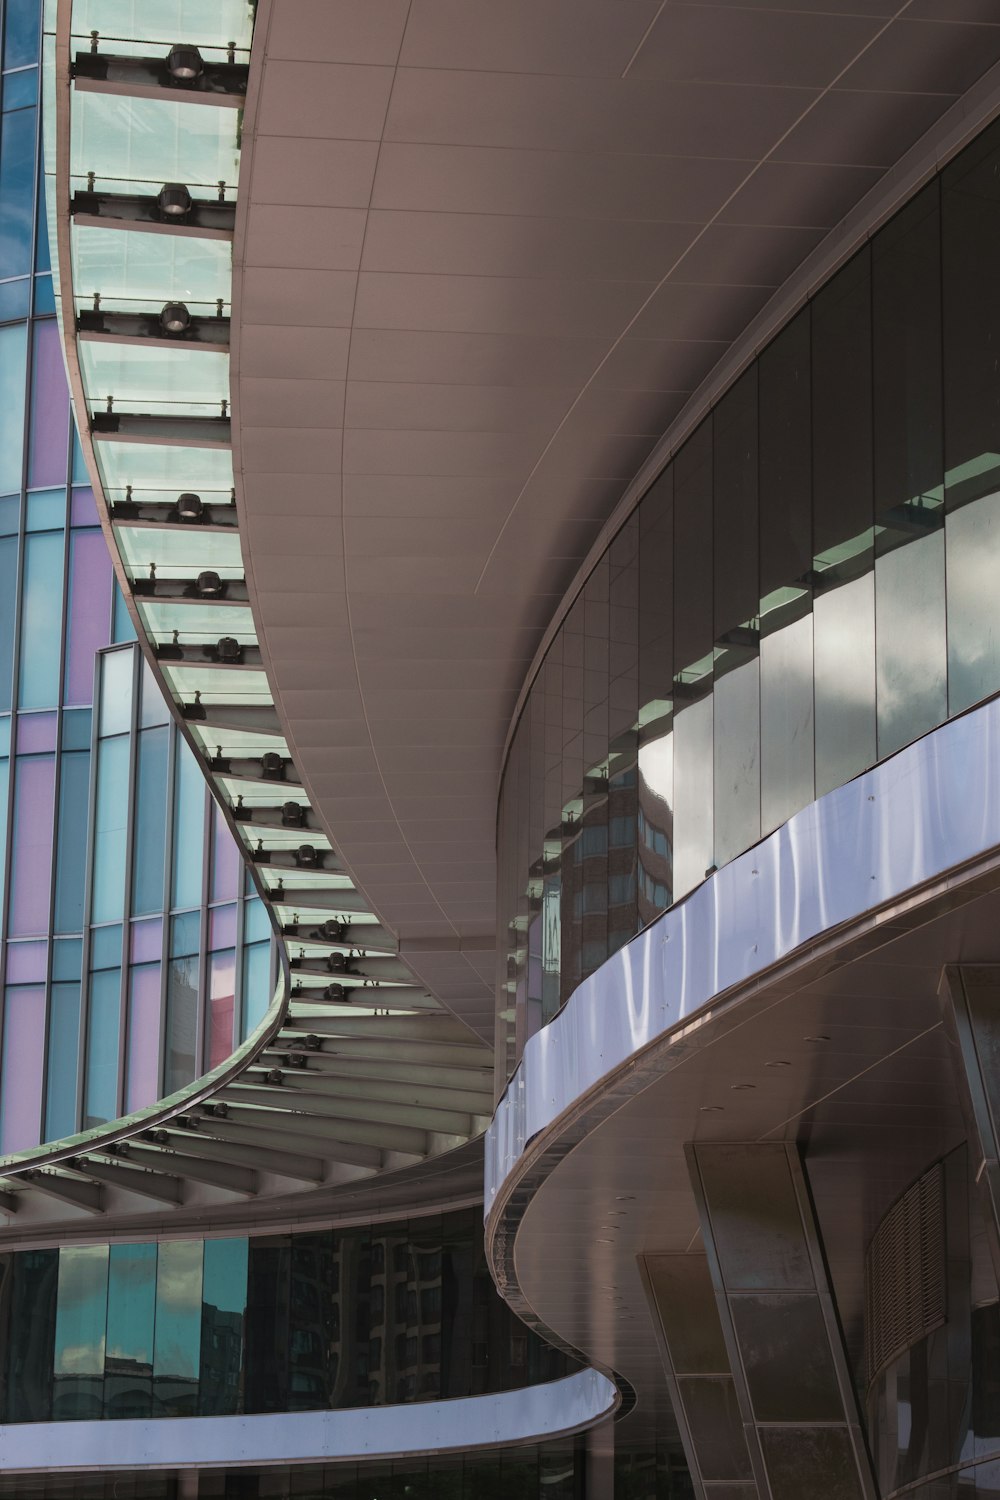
{"x":486,"y":250}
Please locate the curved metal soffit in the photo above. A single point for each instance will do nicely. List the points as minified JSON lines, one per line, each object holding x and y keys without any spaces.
{"x":355,"y":1069}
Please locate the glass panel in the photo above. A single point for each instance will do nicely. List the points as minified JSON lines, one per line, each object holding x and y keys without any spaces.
{"x":8,"y":595}
{"x":786,"y":719}
{"x":222,"y":927}
{"x":785,"y":457}
{"x":150,"y":821}
{"x":156,"y":466}
{"x":35,"y":733}
{"x":844,"y":663}
{"x":110,"y":826}
{"x":177,"y":382}
{"x":23,"y":1064}
{"x":189,"y":829}
{"x":89,"y":624}
{"x":153,"y":706}
{"x":910,"y":641}
{"x":221,"y":1002}
{"x":196,"y":623}
{"x":182,"y":552}
{"x":224,"y":1300}
{"x":256,"y":986}
{"x":142,"y":1077}
{"x":737,"y":761}
{"x":31,"y":1336}
{"x":160,"y":26}
{"x":146,"y":940}
{"x":17,"y":194}
{"x":71,"y":863}
{"x":693,"y":830}
{"x":64,"y":1051}
{"x":136,"y":145}
{"x":122,"y":629}
{"x":46,"y":510}
{"x":182,"y":1022}
{"x":31,"y":861}
{"x":128,"y":1371}
{"x":101,"y":1087}
{"x":116,"y":692}
{"x":972,"y":554}
{"x":226,"y":862}
{"x":81,"y":1318}
{"x":20,"y":35}
{"x":49,"y":451}
{"x":177,"y":1340}
{"x":82,"y":507}
{"x":138,"y":272}
{"x":41,"y":620}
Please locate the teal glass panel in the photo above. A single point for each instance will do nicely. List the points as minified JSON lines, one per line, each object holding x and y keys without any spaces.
{"x":158,"y":466}
{"x":10,"y":514}
{"x":135,"y":145}
{"x":110,"y":824}
{"x":45,"y":297}
{"x":150,"y":821}
{"x":185,"y":934}
{"x":256,"y":923}
{"x":160,"y":25}
{"x":23,"y":1062}
{"x":116,"y":692}
{"x":46,"y":510}
{"x":71,"y":858}
{"x":4,"y":797}
{"x":8,"y":596}
{"x":189,"y":829}
{"x":81,"y":1318}
{"x":972,"y":555}
{"x":67,"y":958}
{"x":223,"y":1311}
{"x":139,"y":272}
{"x":41,"y":620}
{"x":101,"y":1086}
{"x":64,"y":1052}
{"x":17,"y":195}
{"x":14,"y":299}
{"x":80,"y":475}
{"x":177,"y":1340}
{"x":256,"y":986}
{"x":106,"y":946}
{"x":153,"y":704}
{"x":76,"y":724}
{"x":122,"y":628}
{"x":185,"y":381}
{"x":4,"y":734}
{"x":128,"y":1366}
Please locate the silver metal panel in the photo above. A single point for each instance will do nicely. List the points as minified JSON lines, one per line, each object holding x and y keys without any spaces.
{"x":927,"y":811}
{"x":544,"y":1411}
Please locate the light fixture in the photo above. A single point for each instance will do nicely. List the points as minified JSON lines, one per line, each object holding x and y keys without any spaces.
{"x":313,"y":1042}
{"x":295,"y":1060}
{"x":308,"y":856}
{"x":175,"y":318}
{"x":293,"y":815}
{"x":189,"y":507}
{"x":229,"y":648}
{"x":336,"y":992}
{"x":184,"y":63}
{"x":272,"y":766}
{"x":736,"y":1086}
{"x":333,"y":931}
{"x":208,"y":584}
{"x":336,"y":963}
{"x":174,"y":201}
{"x":779,"y":1062}
{"x":818,"y":1038}
{"x":274,"y":1075}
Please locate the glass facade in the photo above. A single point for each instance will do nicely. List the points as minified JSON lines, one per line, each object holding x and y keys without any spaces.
{"x":92,"y":770}
{"x":808,"y":586}
{"x":371,"y":1316}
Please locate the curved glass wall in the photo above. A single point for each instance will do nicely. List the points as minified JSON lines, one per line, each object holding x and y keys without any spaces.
{"x":808,"y":585}
{"x":108,"y":923}
{"x":370,"y":1316}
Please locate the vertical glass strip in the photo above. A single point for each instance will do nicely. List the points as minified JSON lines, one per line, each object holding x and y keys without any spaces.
{"x":101,"y":1088}
{"x":89,"y":624}
{"x":31,"y":861}
{"x":81,"y":1322}
{"x":110,"y":824}
{"x":142,"y":1077}
{"x":41,"y":620}
{"x":223,"y":1313}
{"x":177,"y":1338}
{"x":48,"y":447}
{"x":23,"y":1067}
{"x":128,"y":1365}
{"x":64,"y":1048}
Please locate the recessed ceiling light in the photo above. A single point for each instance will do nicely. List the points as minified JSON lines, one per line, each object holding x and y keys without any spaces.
{"x":818,"y":1038}
{"x":711,"y":1109}
{"x":742,"y":1085}
{"x":779,"y":1062}
{"x":624,"y":1197}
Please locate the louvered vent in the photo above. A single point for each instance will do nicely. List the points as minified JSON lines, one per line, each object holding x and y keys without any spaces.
{"x":905,"y":1273}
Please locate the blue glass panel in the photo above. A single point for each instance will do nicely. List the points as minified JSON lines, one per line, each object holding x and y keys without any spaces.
{"x":106,"y":946}
{"x":46,"y":510}
{"x":189,"y":829}
{"x":17,"y":191}
{"x":71,"y":859}
{"x":150,"y":821}
{"x":67,"y":958}
{"x":101,"y":1087}
{"x":20,"y":89}
{"x":5,"y":720}
{"x":45,"y":297}
{"x":64,"y":1043}
{"x":80,"y":475}
{"x":14,"y":298}
{"x":110,"y":824}
{"x":20,"y":33}
{"x":13,"y":355}
{"x":224,"y":1301}
{"x":177,"y":1344}
{"x":8,"y":606}
{"x":123,"y":629}
{"x":76,"y":729}
{"x":81,"y":1317}
{"x":41,"y":620}
{"x":43,"y":261}
{"x":128,"y":1376}
{"x":10,"y":514}
{"x":256,"y":923}
{"x":256,"y":986}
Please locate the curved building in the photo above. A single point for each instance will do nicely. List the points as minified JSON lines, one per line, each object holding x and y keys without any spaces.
{"x":548,"y":455}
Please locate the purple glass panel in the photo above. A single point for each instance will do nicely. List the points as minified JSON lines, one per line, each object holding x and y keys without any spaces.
{"x":226,"y":863}
{"x":83,"y":511}
{"x":35,"y":733}
{"x":49,"y":450}
{"x":147,"y":941}
{"x":222,"y":927}
{"x":23,"y":1060}
{"x":221,"y":1000}
{"x":26,"y":963}
{"x":142,"y":1082}
{"x":31,"y":865}
{"x":89,"y":625}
